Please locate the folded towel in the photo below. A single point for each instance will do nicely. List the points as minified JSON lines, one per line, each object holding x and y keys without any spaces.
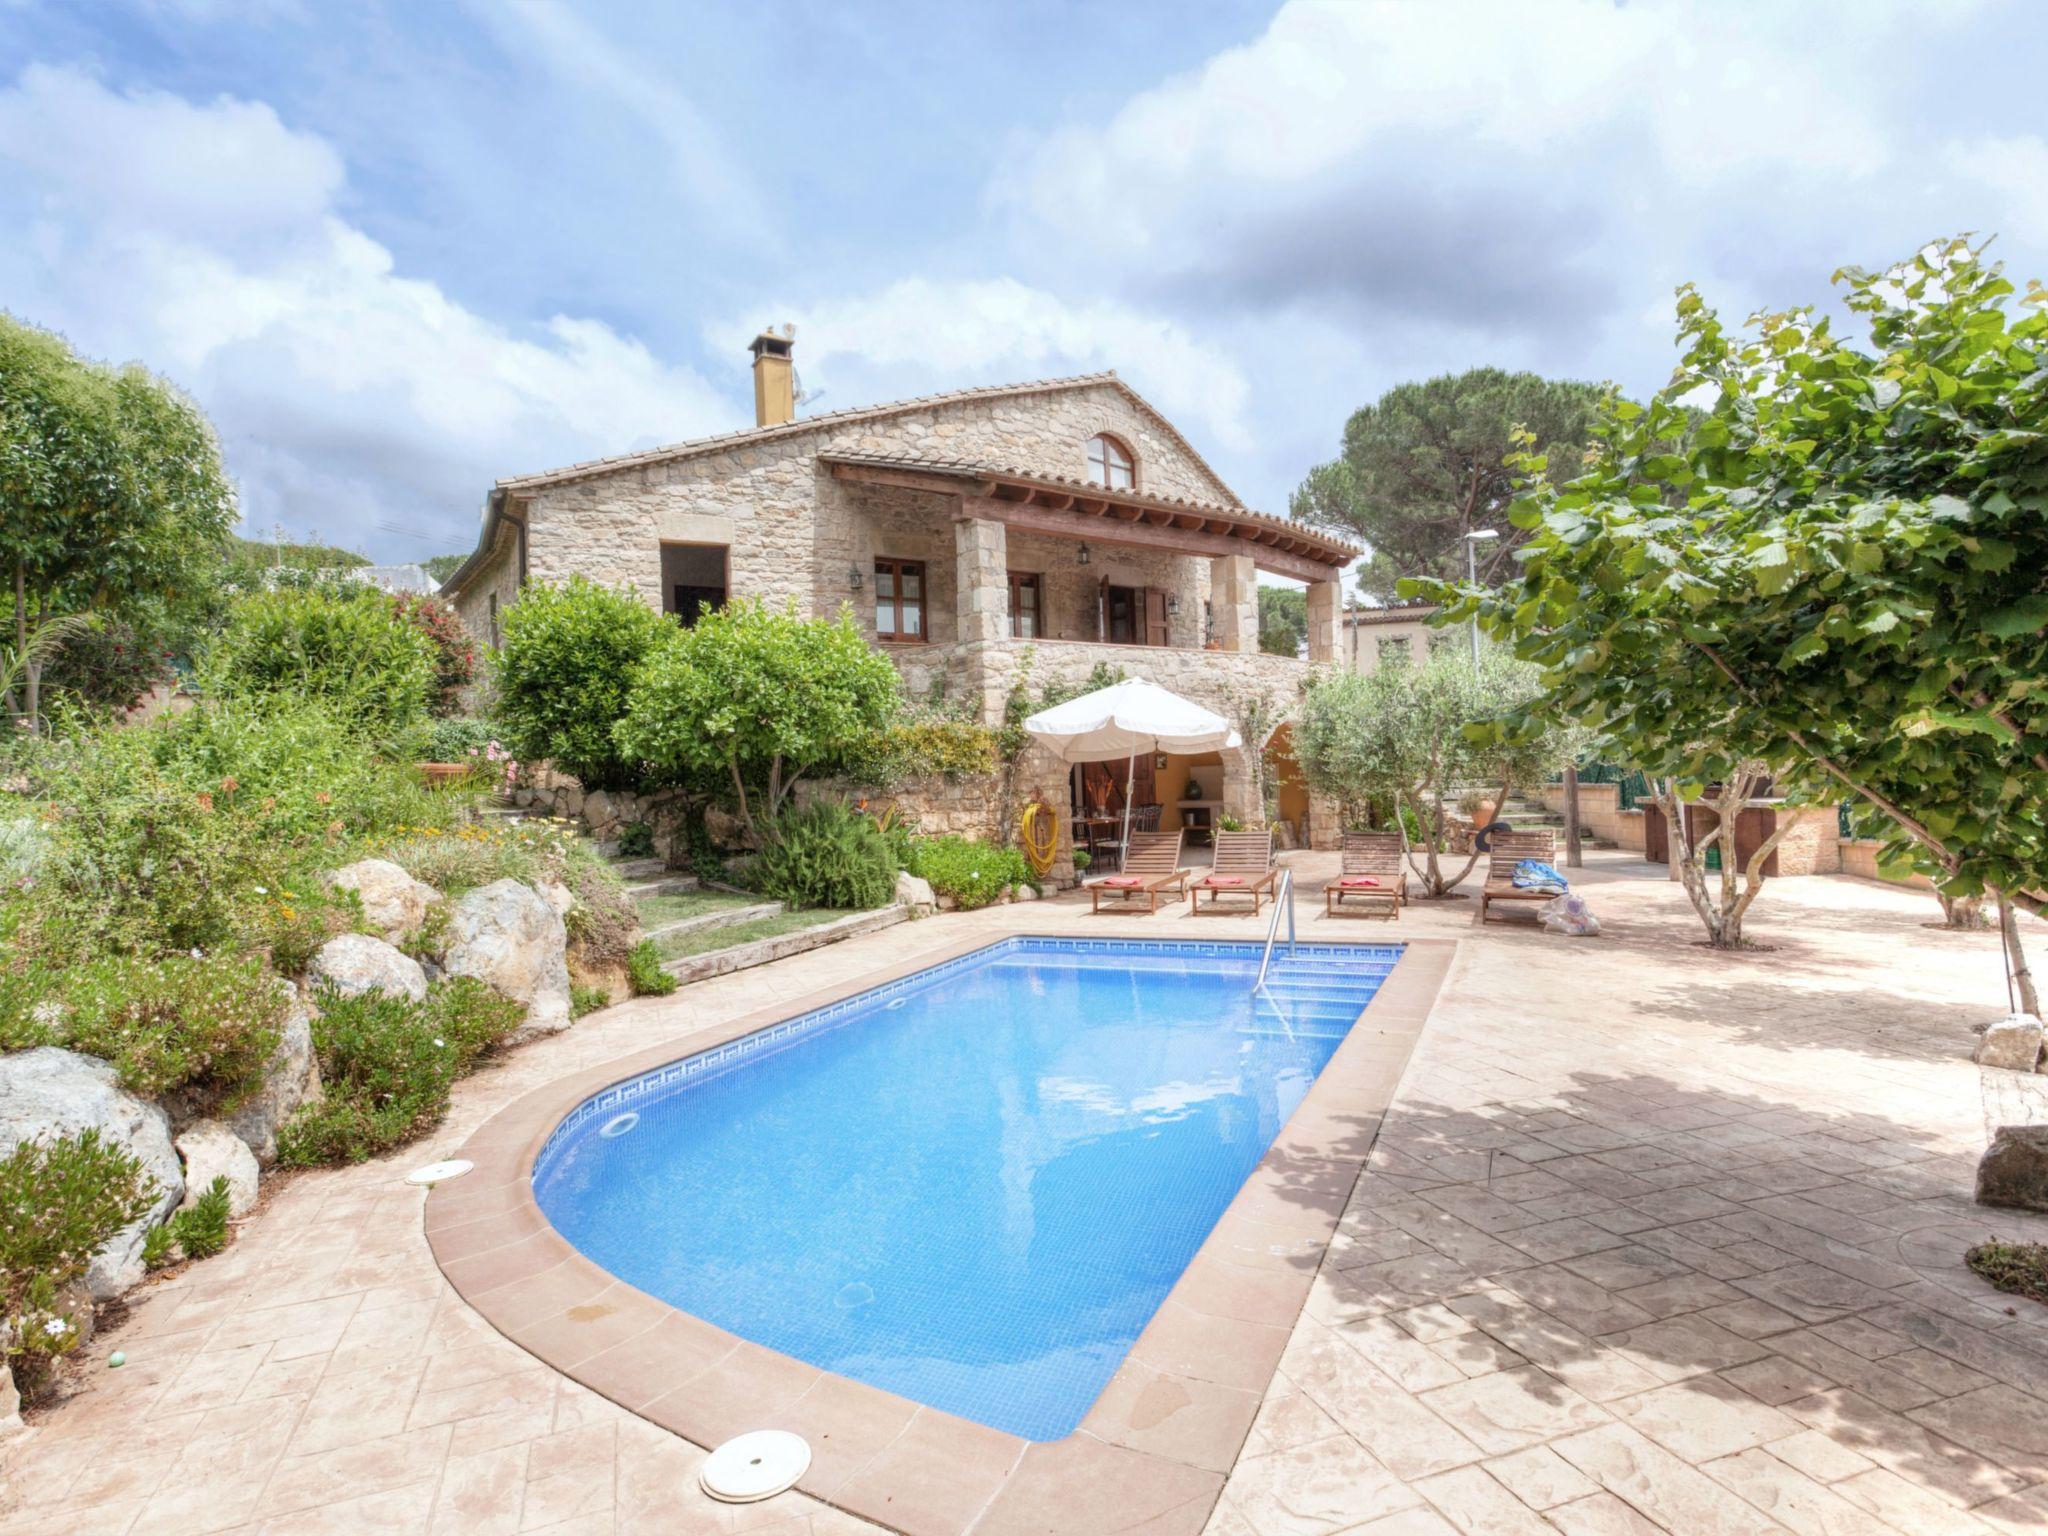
{"x":1358,"y":883}
{"x":1124,"y":882}
{"x":1535,"y":875}
{"x":1223,"y":880}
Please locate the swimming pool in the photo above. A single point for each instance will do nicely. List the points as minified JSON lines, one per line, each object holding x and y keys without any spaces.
{"x":973,"y":1186}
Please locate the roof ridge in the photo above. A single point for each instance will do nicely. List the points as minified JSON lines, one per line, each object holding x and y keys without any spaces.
{"x":695,"y":445}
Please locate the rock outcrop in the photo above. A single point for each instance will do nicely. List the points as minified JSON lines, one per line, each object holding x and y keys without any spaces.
{"x":354,"y":963}
{"x":290,"y":1078}
{"x":211,"y":1151}
{"x":394,"y":904}
{"x":913,"y":892}
{"x":48,"y":1093}
{"x":509,"y":936}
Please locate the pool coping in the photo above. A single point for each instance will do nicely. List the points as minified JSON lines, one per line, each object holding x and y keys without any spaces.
{"x":1153,"y":1450}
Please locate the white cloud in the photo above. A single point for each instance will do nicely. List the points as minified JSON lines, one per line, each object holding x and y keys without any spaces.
{"x":940,"y":334}
{"x":2016,"y":169}
{"x":206,"y":240}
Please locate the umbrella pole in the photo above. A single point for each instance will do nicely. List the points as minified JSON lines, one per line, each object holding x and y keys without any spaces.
{"x":1130,"y":778}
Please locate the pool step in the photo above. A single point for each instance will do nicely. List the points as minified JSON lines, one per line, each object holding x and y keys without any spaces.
{"x":741,"y":957}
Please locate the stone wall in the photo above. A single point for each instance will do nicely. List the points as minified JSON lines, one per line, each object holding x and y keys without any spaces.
{"x":1859,"y":857}
{"x":497,"y":582}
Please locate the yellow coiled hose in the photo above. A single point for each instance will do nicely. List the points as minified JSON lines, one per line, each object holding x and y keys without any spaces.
{"x":1041,"y":835}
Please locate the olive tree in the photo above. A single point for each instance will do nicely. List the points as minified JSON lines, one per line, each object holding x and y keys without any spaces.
{"x":112,"y":496}
{"x":1826,"y":555}
{"x":1412,"y":737}
{"x":759,"y":698}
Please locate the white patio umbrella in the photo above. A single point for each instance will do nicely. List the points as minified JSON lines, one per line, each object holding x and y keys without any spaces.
{"x":1123,"y":720}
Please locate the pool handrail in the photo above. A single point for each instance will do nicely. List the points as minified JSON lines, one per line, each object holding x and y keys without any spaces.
{"x":1283,"y":901}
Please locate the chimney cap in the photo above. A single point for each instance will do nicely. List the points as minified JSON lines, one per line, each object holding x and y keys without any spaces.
{"x":769,"y":344}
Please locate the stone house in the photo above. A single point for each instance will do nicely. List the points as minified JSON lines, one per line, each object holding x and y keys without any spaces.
{"x":1395,"y":635}
{"x":980,"y":536}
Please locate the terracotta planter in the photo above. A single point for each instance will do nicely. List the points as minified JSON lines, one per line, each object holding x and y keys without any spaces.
{"x":1482,"y":814}
{"x":443,"y":775}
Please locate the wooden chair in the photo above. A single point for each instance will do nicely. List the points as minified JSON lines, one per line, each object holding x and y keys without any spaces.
{"x":1370,"y":856}
{"x":1243,"y":867}
{"x":1504,"y":850}
{"x":1152,"y":869}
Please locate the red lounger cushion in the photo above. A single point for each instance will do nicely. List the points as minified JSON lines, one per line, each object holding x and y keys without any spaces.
{"x":1358,"y":883}
{"x":1124,"y":882}
{"x":1223,"y":880}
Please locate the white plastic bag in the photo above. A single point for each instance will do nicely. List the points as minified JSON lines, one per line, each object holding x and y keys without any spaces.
{"x":1569,"y":915}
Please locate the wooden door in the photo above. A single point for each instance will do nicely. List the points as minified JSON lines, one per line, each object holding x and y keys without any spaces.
{"x":1656,"y":834}
{"x":1753,"y":828}
{"x":1156,"y":632}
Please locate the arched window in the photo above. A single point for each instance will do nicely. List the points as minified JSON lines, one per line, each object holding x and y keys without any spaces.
{"x":1110,"y":463}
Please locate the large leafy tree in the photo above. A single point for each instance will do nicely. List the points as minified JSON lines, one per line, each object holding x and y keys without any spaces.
{"x":112,"y":496}
{"x":1840,"y":571}
{"x":761,"y":699}
{"x":1427,"y":463}
{"x":1404,"y":737}
{"x":1283,"y":620}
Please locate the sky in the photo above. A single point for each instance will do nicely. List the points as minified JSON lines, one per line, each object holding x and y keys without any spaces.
{"x":398,"y":251}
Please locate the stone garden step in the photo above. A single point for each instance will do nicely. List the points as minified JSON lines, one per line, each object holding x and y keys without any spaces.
{"x":666,"y":885}
{"x":724,"y":917}
{"x":638,"y":869}
{"x":722,"y":962}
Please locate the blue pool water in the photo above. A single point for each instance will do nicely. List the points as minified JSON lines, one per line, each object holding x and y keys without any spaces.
{"x":971,"y":1187}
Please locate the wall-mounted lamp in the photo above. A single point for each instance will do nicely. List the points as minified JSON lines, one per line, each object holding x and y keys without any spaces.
{"x":1084,"y":556}
{"x":1173,"y":604}
{"x":853,"y":577}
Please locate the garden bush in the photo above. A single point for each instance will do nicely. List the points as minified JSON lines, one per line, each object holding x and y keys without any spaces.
{"x":973,"y":873}
{"x":347,"y":650}
{"x":825,"y":855}
{"x":107,"y":666}
{"x":584,"y":999}
{"x":63,"y":1197}
{"x":563,"y":667}
{"x":454,"y":651}
{"x":387,"y":1064}
{"x":450,"y":738}
{"x":643,"y":970}
{"x":179,"y":1024}
{"x":922,"y":743}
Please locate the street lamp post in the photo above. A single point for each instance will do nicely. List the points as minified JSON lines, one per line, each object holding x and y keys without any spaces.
{"x":1473,"y":540}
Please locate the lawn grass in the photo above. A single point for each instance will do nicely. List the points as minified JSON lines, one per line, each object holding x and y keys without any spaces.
{"x":657,"y":910}
{"x":704,"y":940}
{"x":2019,"y":1269}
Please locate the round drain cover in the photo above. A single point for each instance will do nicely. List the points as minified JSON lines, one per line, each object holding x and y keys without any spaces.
{"x":440,"y":1173}
{"x":756,"y":1466}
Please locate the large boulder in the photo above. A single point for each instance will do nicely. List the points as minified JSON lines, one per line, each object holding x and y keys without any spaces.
{"x":211,"y":1151}
{"x":508,"y":935}
{"x":394,"y":904}
{"x":2012,"y":1043}
{"x":49,"y":1093}
{"x":2014,"y":1172}
{"x":911,"y":891}
{"x":354,"y":963}
{"x":290,"y":1078}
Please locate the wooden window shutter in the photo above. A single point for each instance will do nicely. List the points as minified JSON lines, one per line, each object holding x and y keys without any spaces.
{"x":1156,"y":632}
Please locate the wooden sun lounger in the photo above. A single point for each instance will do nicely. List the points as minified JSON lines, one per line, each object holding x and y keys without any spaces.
{"x":1243,"y":867}
{"x":1370,"y":856}
{"x":1153,"y":863}
{"x":1503,"y":852}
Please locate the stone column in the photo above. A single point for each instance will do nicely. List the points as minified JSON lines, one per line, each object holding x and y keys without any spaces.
{"x":1325,"y":616}
{"x":1234,"y":601}
{"x":982,"y":580}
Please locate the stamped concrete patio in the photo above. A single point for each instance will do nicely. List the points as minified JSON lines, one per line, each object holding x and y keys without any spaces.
{"x":1651,"y":1240}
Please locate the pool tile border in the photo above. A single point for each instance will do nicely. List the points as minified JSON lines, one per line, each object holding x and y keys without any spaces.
{"x":1208,"y":1355}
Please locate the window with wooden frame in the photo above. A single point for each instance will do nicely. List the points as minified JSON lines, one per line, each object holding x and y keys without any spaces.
{"x":1027,"y":605}
{"x":899,"y":600}
{"x":1110,"y":463}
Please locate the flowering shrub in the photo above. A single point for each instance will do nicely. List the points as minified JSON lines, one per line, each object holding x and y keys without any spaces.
{"x":181,"y":1023}
{"x":973,"y":873}
{"x":454,"y":651}
{"x":497,"y":766}
{"x":60,"y":1199}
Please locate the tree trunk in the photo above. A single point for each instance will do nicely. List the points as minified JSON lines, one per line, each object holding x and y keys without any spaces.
{"x":1720,"y":911}
{"x":2016,"y":960}
{"x":1962,"y":912}
{"x":1572,"y":856}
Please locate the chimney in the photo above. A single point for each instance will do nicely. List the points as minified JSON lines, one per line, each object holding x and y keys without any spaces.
{"x":774,"y":377}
